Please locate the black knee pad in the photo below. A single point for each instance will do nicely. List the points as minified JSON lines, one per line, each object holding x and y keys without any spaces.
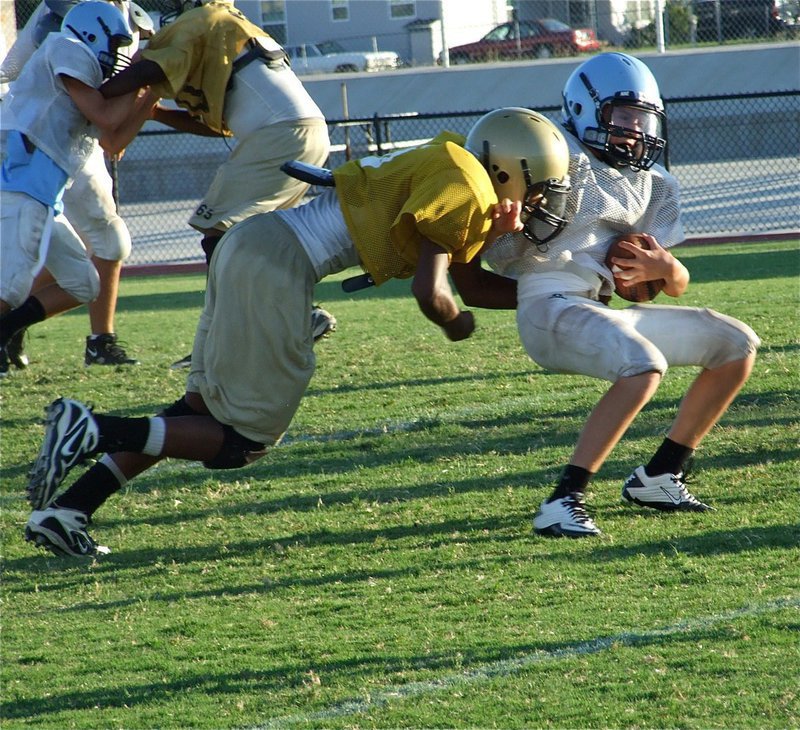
{"x":236,"y":452}
{"x":179,"y":408}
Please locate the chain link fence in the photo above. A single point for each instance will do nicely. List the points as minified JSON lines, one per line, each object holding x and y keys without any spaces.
{"x":736,"y":158}
{"x":621,"y":25}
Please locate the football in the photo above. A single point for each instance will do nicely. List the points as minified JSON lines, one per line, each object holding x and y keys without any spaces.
{"x":643,"y":292}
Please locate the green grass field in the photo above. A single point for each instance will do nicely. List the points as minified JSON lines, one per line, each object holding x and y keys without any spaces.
{"x":378,"y":569}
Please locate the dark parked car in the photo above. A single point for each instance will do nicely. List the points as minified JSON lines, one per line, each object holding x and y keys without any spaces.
{"x":541,"y":38}
{"x":719,"y":20}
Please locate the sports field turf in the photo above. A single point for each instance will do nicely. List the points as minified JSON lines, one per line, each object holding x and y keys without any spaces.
{"x":379,"y":570}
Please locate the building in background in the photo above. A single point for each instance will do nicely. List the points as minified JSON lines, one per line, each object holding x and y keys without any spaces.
{"x":414,"y":29}
{"x":418,"y":30}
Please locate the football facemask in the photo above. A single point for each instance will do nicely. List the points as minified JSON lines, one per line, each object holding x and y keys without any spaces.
{"x":544,"y":209}
{"x":631,"y":136}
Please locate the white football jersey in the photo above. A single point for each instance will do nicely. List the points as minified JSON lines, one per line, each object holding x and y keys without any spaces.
{"x":604,"y":202}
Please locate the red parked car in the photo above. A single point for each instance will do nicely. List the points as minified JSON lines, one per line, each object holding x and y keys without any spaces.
{"x":543,"y":38}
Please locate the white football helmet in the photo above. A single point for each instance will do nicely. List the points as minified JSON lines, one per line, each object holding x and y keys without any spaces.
{"x":102,"y":27}
{"x":138,"y":16}
{"x":527,"y":159}
{"x":611,"y":102}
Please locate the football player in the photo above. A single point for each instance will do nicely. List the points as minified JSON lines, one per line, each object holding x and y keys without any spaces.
{"x":614,"y":118}
{"x":228,"y":76}
{"x":89,"y":203}
{"x":54,"y":115}
{"x":409,"y":214}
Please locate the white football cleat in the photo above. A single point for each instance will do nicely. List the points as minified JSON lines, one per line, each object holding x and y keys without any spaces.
{"x":564,"y":517}
{"x":71,"y":435}
{"x":665,"y":492}
{"x":62,"y":531}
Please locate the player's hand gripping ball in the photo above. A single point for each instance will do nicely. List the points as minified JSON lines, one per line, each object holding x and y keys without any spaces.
{"x":644,"y":291}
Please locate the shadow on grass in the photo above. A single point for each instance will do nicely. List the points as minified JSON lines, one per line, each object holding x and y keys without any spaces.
{"x":328,"y":291}
{"x":342,"y":454}
{"x":378,"y":670}
{"x":430,"y":536}
{"x":667,"y":404}
{"x":426,"y":382}
{"x":755,"y":263}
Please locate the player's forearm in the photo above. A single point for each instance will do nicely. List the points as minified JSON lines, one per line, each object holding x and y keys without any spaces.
{"x":137,"y":76}
{"x":439,"y":307}
{"x":115,"y":139}
{"x":677,"y":280}
{"x":182,"y":121}
{"x":432,"y":291}
{"x":481,"y":288}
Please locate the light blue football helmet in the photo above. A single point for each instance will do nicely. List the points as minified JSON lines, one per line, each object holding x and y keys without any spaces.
{"x":613,"y":95}
{"x":102,"y":27}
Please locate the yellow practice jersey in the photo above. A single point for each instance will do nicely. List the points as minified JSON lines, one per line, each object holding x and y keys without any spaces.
{"x":437,"y":191}
{"x":196,"y":53}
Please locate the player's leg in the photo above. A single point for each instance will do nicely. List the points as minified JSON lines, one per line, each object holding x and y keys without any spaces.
{"x":76,"y":280}
{"x":90,"y":208}
{"x":73,"y":433}
{"x":723,"y":346}
{"x":708,"y":398}
{"x":259,"y":329}
{"x":250,"y":181}
{"x":60,"y":524}
{"x":611,"y":417}
{"x":725,"y":349}
{"x":23,"y":224}
{"x":577,"y":335}
{"x":268,"y":360}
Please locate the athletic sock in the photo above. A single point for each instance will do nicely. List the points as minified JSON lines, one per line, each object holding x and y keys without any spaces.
{"x":121,"y":434}
{"x":29,"y":312}
{"x":573,"y":479}
{"x":92,"y":488}
{"x":670,"y":458}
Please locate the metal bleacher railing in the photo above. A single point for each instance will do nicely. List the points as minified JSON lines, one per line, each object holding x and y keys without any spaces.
{"x":736,"y":158}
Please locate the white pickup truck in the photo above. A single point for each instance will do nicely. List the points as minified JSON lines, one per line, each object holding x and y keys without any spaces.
{"x":330,"y":57}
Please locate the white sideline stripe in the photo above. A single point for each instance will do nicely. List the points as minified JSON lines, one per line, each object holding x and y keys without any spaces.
{"x":384,"y":429}
{"x":505,"y":667}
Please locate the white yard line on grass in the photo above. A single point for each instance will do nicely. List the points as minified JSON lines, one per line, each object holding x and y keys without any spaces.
{"x":504,"y":667}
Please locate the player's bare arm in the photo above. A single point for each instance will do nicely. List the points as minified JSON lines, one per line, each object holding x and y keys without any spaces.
{"x":138,"y":75}
{"x":182,"y":121}
{"x":650,"y":265}
{"x":115,"y":142}
{"x":118,"y":119}
{"x":431,"y":289}
{"x":480,"y":287}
